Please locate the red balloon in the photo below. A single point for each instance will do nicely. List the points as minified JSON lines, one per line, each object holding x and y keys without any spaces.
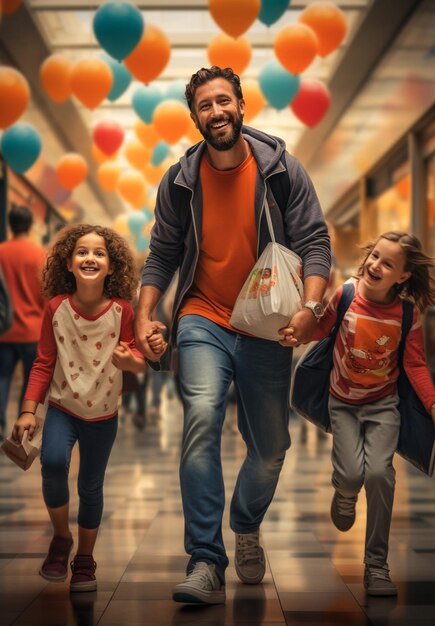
{"x":108,"y":136}
{"x":311,"y":102}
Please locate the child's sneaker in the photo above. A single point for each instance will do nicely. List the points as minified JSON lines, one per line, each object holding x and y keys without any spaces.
{"x":377,"y":581}
{"x":83,"y":577}
{"x":55,"y":566}
{"x":343,"y":512}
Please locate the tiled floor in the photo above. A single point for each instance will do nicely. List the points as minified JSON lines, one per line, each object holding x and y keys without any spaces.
{"x":314,"y":572}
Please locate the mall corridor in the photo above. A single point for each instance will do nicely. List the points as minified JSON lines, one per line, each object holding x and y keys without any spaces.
{"x":314,"y":572}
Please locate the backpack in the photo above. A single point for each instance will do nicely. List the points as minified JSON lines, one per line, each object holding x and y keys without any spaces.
{"x":6,"y":310}
{"x":311,"y":383}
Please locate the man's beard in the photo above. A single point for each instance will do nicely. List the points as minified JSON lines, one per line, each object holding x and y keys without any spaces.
{"x":225,"y":142}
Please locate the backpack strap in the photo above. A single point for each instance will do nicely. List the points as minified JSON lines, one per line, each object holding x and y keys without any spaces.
{"x":407,"y":317}
{"x":280,"y":186}
{"x":347,"y":296}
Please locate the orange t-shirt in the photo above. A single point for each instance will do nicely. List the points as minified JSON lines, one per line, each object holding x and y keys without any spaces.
{"x":228,"y":241}
{"x":22,"y":262}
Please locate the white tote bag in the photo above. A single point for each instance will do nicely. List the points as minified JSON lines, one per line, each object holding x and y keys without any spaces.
{"x":272,"y":293}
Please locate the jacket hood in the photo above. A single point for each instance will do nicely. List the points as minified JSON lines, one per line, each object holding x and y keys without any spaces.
{"x":267,"y":151}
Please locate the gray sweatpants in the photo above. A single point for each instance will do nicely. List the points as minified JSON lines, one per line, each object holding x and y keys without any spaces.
{"x":364,"y":441}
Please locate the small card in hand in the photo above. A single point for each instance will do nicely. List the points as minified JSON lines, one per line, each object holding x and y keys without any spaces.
{"x":24,"y":453}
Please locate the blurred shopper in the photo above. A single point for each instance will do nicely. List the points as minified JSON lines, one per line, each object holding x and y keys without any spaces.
{"x":87,"y":339}
{"x":21,"y":261}
{"x":363,"y":399}
{"x":210,"y":223}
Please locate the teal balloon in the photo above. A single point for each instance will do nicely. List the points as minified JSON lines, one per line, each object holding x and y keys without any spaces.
{"x":142,"y":243}
{"x":136,"y":221}
{"x":144,"y":101}
{"x":20,"y":146}
{"x":118,"y":27}
{"x":121,"y":77}
{"x":160,"y":153}
{"x":272,"y":10}
{"x":175,"y":91}
{"x":279,"y":87}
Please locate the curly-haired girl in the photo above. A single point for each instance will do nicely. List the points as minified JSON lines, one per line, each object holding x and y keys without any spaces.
{"x":86,"y":340}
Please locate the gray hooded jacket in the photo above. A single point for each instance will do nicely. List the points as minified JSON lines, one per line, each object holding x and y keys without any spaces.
{"x":176,"y":235}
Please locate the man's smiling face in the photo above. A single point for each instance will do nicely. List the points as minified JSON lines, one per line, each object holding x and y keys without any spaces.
{"x":218,"y":113}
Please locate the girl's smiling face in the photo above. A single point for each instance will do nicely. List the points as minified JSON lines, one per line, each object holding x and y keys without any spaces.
{"x":383,"y":268}
{"x":90,"y":262}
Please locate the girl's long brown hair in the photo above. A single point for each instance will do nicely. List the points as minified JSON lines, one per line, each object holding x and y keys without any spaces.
{"x":57,"y":279}
{"x":420,"y":286}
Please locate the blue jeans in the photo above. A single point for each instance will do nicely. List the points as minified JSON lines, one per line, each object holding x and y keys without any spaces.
{"x":210,"y":357}
{"x":10,"y":355}
{"x":95,"y":439}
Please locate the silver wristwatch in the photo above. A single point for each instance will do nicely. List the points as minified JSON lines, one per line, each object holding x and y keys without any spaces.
{"x":316,"y":308}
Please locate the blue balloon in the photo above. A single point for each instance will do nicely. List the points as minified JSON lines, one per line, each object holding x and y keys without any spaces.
{"x":21,"y":146}
{"x":160,"y":153}
{"x":175,"y":91}
{"x":142,"y":242}
{"x":271,"y":10}
{"x":136,"y":221}
{"x":118,"y":27}
{"x":279,"y":87}
{"x":144,"y":101}
{"x":121,"y":77}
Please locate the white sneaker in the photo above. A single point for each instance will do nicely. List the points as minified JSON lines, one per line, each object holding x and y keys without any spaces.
{"x":201,"y":586}
{"x":249,"y":558}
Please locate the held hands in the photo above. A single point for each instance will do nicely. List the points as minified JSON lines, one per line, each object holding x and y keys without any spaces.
{"x":300,"y":329}
{"x":26,"y":421}
{"x":151,"y":341}
{"x":124,"y":359}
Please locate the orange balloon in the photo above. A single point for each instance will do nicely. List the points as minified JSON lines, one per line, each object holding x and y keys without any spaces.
{"x":108,"y":174}
{"x":225,"y":51}
{"x":151,"y":55}
{"x":55,"y":74}
{"x":99,"y":156}
{"x":132,"y":187}
{"x":296,"y":46}
{"x":171,"y":120}
{"x":234,"y":18}
{"x":146,"y":133}
{"x":254,"y":99}
{"x":329,"y":24}
{"x":10,"y":6}
{"x":14,"y":96}
{"x":91,"y":81}
{"x":137,"y":154}
{"x":120,"y":224}
{"x":71,"y":170}
{"x":154,"y":174}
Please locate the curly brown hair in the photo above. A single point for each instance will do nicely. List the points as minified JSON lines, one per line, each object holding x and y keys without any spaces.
{"x":204,"y":75}
{"x":420,"y":286}
{"x":57,"y":279}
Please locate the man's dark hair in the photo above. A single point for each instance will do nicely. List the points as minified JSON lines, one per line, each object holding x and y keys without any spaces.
{"x":204,"y":75}
{"x":20,"y":219}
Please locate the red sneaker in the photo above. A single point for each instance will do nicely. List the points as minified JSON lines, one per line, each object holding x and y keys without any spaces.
{"x":83,"y":569}
{"x":55,"y":566}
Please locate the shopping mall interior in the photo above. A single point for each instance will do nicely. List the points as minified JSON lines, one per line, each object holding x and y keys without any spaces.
{"x":90,"y":120}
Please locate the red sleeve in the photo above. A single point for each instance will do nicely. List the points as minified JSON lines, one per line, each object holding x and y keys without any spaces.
{"x":328,"y":320}
{"x":414,"y":363}
{"x":43,"y":366}
{"x":127,"y":329}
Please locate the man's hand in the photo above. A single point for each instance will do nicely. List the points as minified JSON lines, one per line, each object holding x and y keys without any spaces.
{"x":300,"y":329}
{"x":150,"y":340}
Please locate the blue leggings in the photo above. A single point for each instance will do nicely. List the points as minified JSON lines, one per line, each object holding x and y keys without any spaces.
{"x":95,"y":439}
